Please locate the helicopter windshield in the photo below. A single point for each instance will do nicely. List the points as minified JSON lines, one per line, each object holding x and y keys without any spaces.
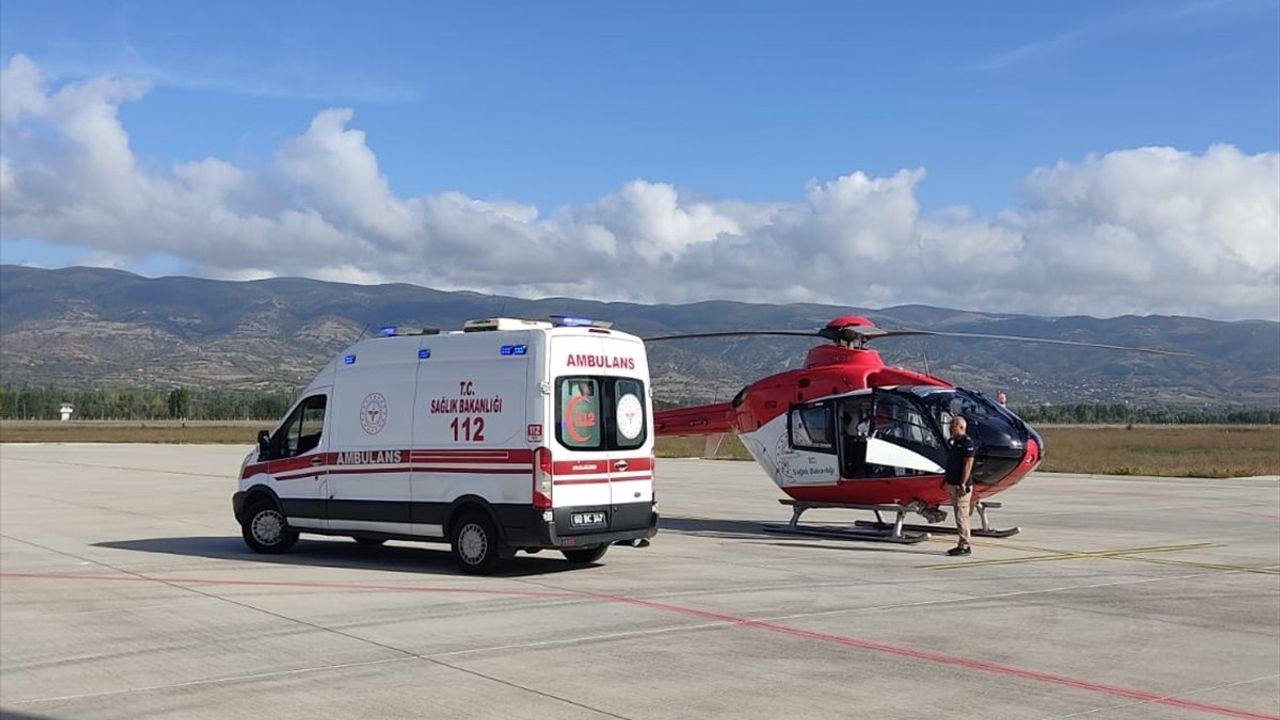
{"x":1001,"y":436}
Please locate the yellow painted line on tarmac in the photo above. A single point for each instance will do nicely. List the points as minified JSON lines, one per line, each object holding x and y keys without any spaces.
{"x":1051,"y":555}
{"x":1207,"y":566}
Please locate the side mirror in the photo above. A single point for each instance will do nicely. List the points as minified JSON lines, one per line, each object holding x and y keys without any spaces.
{"x":264,"y":444}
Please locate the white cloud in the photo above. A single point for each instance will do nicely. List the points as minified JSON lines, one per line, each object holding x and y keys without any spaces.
{"x":1148,"y":230}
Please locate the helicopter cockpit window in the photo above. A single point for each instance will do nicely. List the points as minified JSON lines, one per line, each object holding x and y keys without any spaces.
{"x":811,"y":428}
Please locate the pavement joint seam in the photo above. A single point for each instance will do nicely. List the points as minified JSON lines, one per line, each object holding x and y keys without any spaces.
{"x":212,"y":681}
{"x":120,"y":467}
{"x":771,"y":626}
{"x":1199,"y":691}
{"x":1130,"y":554}
{"x":406,"y":653}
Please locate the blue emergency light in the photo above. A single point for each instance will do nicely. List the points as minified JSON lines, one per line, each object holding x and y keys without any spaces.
{"x":424,"y":353}
{"x":570,"y":321}
{"x":349,"y":360}
{"x":389,"y":331}
{"x":512,"y":349}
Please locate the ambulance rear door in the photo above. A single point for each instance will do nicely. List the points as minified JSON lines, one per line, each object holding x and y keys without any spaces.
{"x":603,"y":444}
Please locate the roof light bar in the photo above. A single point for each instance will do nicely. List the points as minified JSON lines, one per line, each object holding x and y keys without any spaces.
{"x":572,"y":321}
{"x":396,"y":331}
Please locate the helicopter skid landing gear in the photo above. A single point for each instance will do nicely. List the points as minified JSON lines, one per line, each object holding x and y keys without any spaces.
{"x":895,"y":532}
{"x":984,"y":528}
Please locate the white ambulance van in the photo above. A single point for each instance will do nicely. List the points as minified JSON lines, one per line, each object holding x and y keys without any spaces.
{"x":508,"y":435}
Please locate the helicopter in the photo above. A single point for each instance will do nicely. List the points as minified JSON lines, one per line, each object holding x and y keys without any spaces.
{"x":847,"y":431}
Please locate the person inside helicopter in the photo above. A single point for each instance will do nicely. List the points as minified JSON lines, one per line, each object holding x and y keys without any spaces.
{"x":854,"y":436}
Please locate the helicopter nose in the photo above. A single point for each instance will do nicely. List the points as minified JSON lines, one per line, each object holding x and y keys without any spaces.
{"x":1035,"y":437}
{"x":1002,"y":448}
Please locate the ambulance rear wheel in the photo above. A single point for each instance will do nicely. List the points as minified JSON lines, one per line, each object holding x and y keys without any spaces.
{"x":476,"y":545}
{"x":266,"y":530}
{"x":585,"y":555}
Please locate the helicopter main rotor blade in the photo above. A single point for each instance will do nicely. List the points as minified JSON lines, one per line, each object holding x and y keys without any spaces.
{"x":730,"y":333}
{"x":1023,"y":338}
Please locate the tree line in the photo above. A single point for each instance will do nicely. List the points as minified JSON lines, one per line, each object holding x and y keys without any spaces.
{"x":44,"y":403}
{"x":1119,"y":413}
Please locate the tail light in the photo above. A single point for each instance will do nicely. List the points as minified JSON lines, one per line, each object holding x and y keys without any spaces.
{"x":653,"y":476}
{"x":542,"y":478}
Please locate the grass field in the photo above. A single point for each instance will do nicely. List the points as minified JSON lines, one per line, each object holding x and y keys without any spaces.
{"x":1177,"y":451}
{"x":1173,"y":451}
{"x":133,"y":431}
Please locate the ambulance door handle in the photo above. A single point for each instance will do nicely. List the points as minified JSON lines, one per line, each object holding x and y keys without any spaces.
{"x":620,"y":466}
{"x":317,"y":460}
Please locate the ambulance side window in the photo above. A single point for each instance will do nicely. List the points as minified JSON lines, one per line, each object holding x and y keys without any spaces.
{"x":301,"y":432}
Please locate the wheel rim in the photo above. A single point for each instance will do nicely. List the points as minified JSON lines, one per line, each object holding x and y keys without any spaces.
{"x":473,"y":544}
{"x":268,"y":527}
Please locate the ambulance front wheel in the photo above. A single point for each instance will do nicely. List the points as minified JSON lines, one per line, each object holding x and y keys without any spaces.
{"x":585,"y":555}
{"x":266,"y":530}
{"x":476,"y":545}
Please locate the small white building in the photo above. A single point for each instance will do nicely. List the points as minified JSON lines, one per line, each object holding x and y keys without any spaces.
{"x":66,"y":411}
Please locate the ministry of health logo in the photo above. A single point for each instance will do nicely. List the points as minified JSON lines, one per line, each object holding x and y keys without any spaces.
{"x":373,"y":413}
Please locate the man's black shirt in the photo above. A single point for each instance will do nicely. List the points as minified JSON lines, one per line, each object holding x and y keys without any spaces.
{"x":958,"y":450}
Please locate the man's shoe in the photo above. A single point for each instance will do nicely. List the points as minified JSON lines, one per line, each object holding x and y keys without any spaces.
{"x":959,"y":550}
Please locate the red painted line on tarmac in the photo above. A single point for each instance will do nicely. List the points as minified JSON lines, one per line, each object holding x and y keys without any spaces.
{"x":844,"y":640}
{"x":967,"y":663}
{"x":292,"y":584}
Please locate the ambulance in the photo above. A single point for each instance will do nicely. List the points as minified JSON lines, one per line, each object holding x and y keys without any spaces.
{"x":507,"y":435}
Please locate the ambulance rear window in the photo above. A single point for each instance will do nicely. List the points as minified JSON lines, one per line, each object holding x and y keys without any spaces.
{"x":600,"y":413}
{"x":579,"y":413}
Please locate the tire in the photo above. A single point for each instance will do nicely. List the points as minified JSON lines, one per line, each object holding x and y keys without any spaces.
{"x":583,"y":556}
{"x":476,"y":544}
{"x":266,"y":530}
{"x":370,"y":541}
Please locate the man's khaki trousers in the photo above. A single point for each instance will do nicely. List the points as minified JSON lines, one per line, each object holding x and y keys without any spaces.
{"x":961,"y":505}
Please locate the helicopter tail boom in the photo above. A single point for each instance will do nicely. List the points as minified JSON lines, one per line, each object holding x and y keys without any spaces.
{"x":700,"y":420}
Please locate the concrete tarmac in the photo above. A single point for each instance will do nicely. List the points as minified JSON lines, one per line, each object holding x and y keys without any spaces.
{"x":126,"y":592}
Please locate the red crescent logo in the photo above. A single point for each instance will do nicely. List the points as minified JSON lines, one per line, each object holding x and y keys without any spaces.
{"x":569,"y":427}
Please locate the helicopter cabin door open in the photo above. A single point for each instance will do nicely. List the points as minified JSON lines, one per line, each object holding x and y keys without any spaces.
{"x":866,"y":435}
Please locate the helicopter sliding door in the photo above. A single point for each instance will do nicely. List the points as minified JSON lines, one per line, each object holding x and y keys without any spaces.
{"x":902,"y":437}
{"x":807,"y":453}
{"x":855,"y":414}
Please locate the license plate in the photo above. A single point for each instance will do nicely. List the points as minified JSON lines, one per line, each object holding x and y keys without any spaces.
{"x":586,"y":519}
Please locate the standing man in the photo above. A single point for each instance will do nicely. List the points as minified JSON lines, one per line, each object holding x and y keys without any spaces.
{"x":959,"y":480}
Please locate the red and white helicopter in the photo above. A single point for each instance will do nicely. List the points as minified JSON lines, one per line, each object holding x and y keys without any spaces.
{"x":848,"y":431}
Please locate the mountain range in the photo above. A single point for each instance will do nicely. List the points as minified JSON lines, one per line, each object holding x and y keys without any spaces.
{"x":90,"y":327}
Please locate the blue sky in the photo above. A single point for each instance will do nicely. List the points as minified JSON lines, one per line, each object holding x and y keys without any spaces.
{"x":561,"y":104}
